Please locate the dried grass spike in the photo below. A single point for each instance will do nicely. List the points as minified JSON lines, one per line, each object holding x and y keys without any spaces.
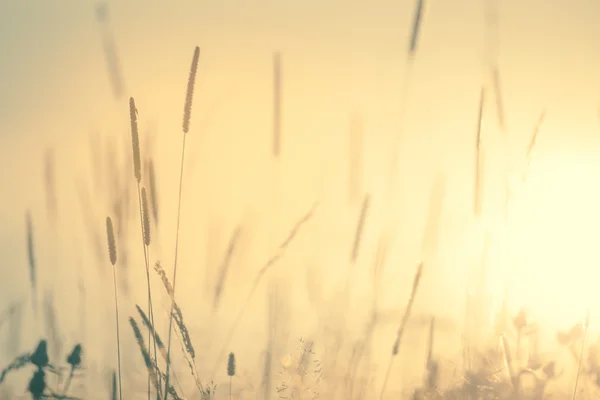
{"x":359,"y":229}
{"x":231,"y":365}
{"x":479,"y":157}
{"x":499,"y":97}
{"x":110,"y":236}
{"x":30,"y":251}
{"x":355,"y":158}
{"x":416,"y":28}
{"x":185,"y":334}
{"x":159,"y":343}
{"x":50,"y":184}
{"x":276,"y":104}
{"x":153,"y":190}
{"x":165,"y":280}
{"x":145,"y":217}
{"x":187,"y":111}
{"x":135,"y":140}
{"x":145,"y":355}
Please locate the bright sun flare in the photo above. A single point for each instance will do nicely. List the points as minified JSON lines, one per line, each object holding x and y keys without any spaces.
{"x":548,"y":250}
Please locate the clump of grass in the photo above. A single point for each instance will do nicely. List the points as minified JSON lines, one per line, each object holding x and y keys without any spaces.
{"x":301,"y":374}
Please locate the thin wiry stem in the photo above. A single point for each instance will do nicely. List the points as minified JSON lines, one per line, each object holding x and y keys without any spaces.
{"x":587,"y":323}
{"x":187,"y":112}
{"x":118,"y":335}
{"x":402,"y":327}
{"x":150,"y":310}
{"x":174,"y":270}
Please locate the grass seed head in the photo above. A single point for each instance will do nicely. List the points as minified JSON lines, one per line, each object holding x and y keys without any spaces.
{"x":231,"y":365}
{"x":135,"y":140}
{"x":153,"y":190}
{"x":30,"y":250}
{"x":110,"y":236}
{"x":145,"y":217}
{"x":187,"y":110}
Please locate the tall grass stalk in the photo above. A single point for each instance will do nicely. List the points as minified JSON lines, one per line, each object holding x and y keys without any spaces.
{"x":145,"y":227}
{"x":490,"y":61}
{"x":580,"y":361}
{"x":112,"y":254}
{"x":144,"y":217}
{"x":186,"y":126}
{"x":478,"y":157}
{"x":416,"y":28}
{"x":533,"y":142}
{"x":401,"y":329}
{"x":230,"y":370}
{"x":31,"y":260}
{"x":355,"y":159}
{"x":411,"y":54}
{"x":276,"y":104}
{"x":358,"y":235}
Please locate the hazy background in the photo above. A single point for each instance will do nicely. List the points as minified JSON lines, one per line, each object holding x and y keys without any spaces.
{"x":341,"y":59}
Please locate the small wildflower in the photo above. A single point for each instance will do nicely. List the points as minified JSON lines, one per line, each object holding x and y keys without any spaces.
{"x":74,"y":359}
{"x":37,"y":385}
{"x":39,"y":358}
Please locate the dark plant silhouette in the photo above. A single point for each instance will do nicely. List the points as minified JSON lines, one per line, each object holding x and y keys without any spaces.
{"x":38,"y":386}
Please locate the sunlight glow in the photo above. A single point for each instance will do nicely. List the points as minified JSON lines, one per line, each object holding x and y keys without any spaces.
{"x":550,"y":255}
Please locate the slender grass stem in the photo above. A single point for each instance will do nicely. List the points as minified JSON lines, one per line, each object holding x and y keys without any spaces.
{"x":118,"y":334}
{"x":168,"y":368}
